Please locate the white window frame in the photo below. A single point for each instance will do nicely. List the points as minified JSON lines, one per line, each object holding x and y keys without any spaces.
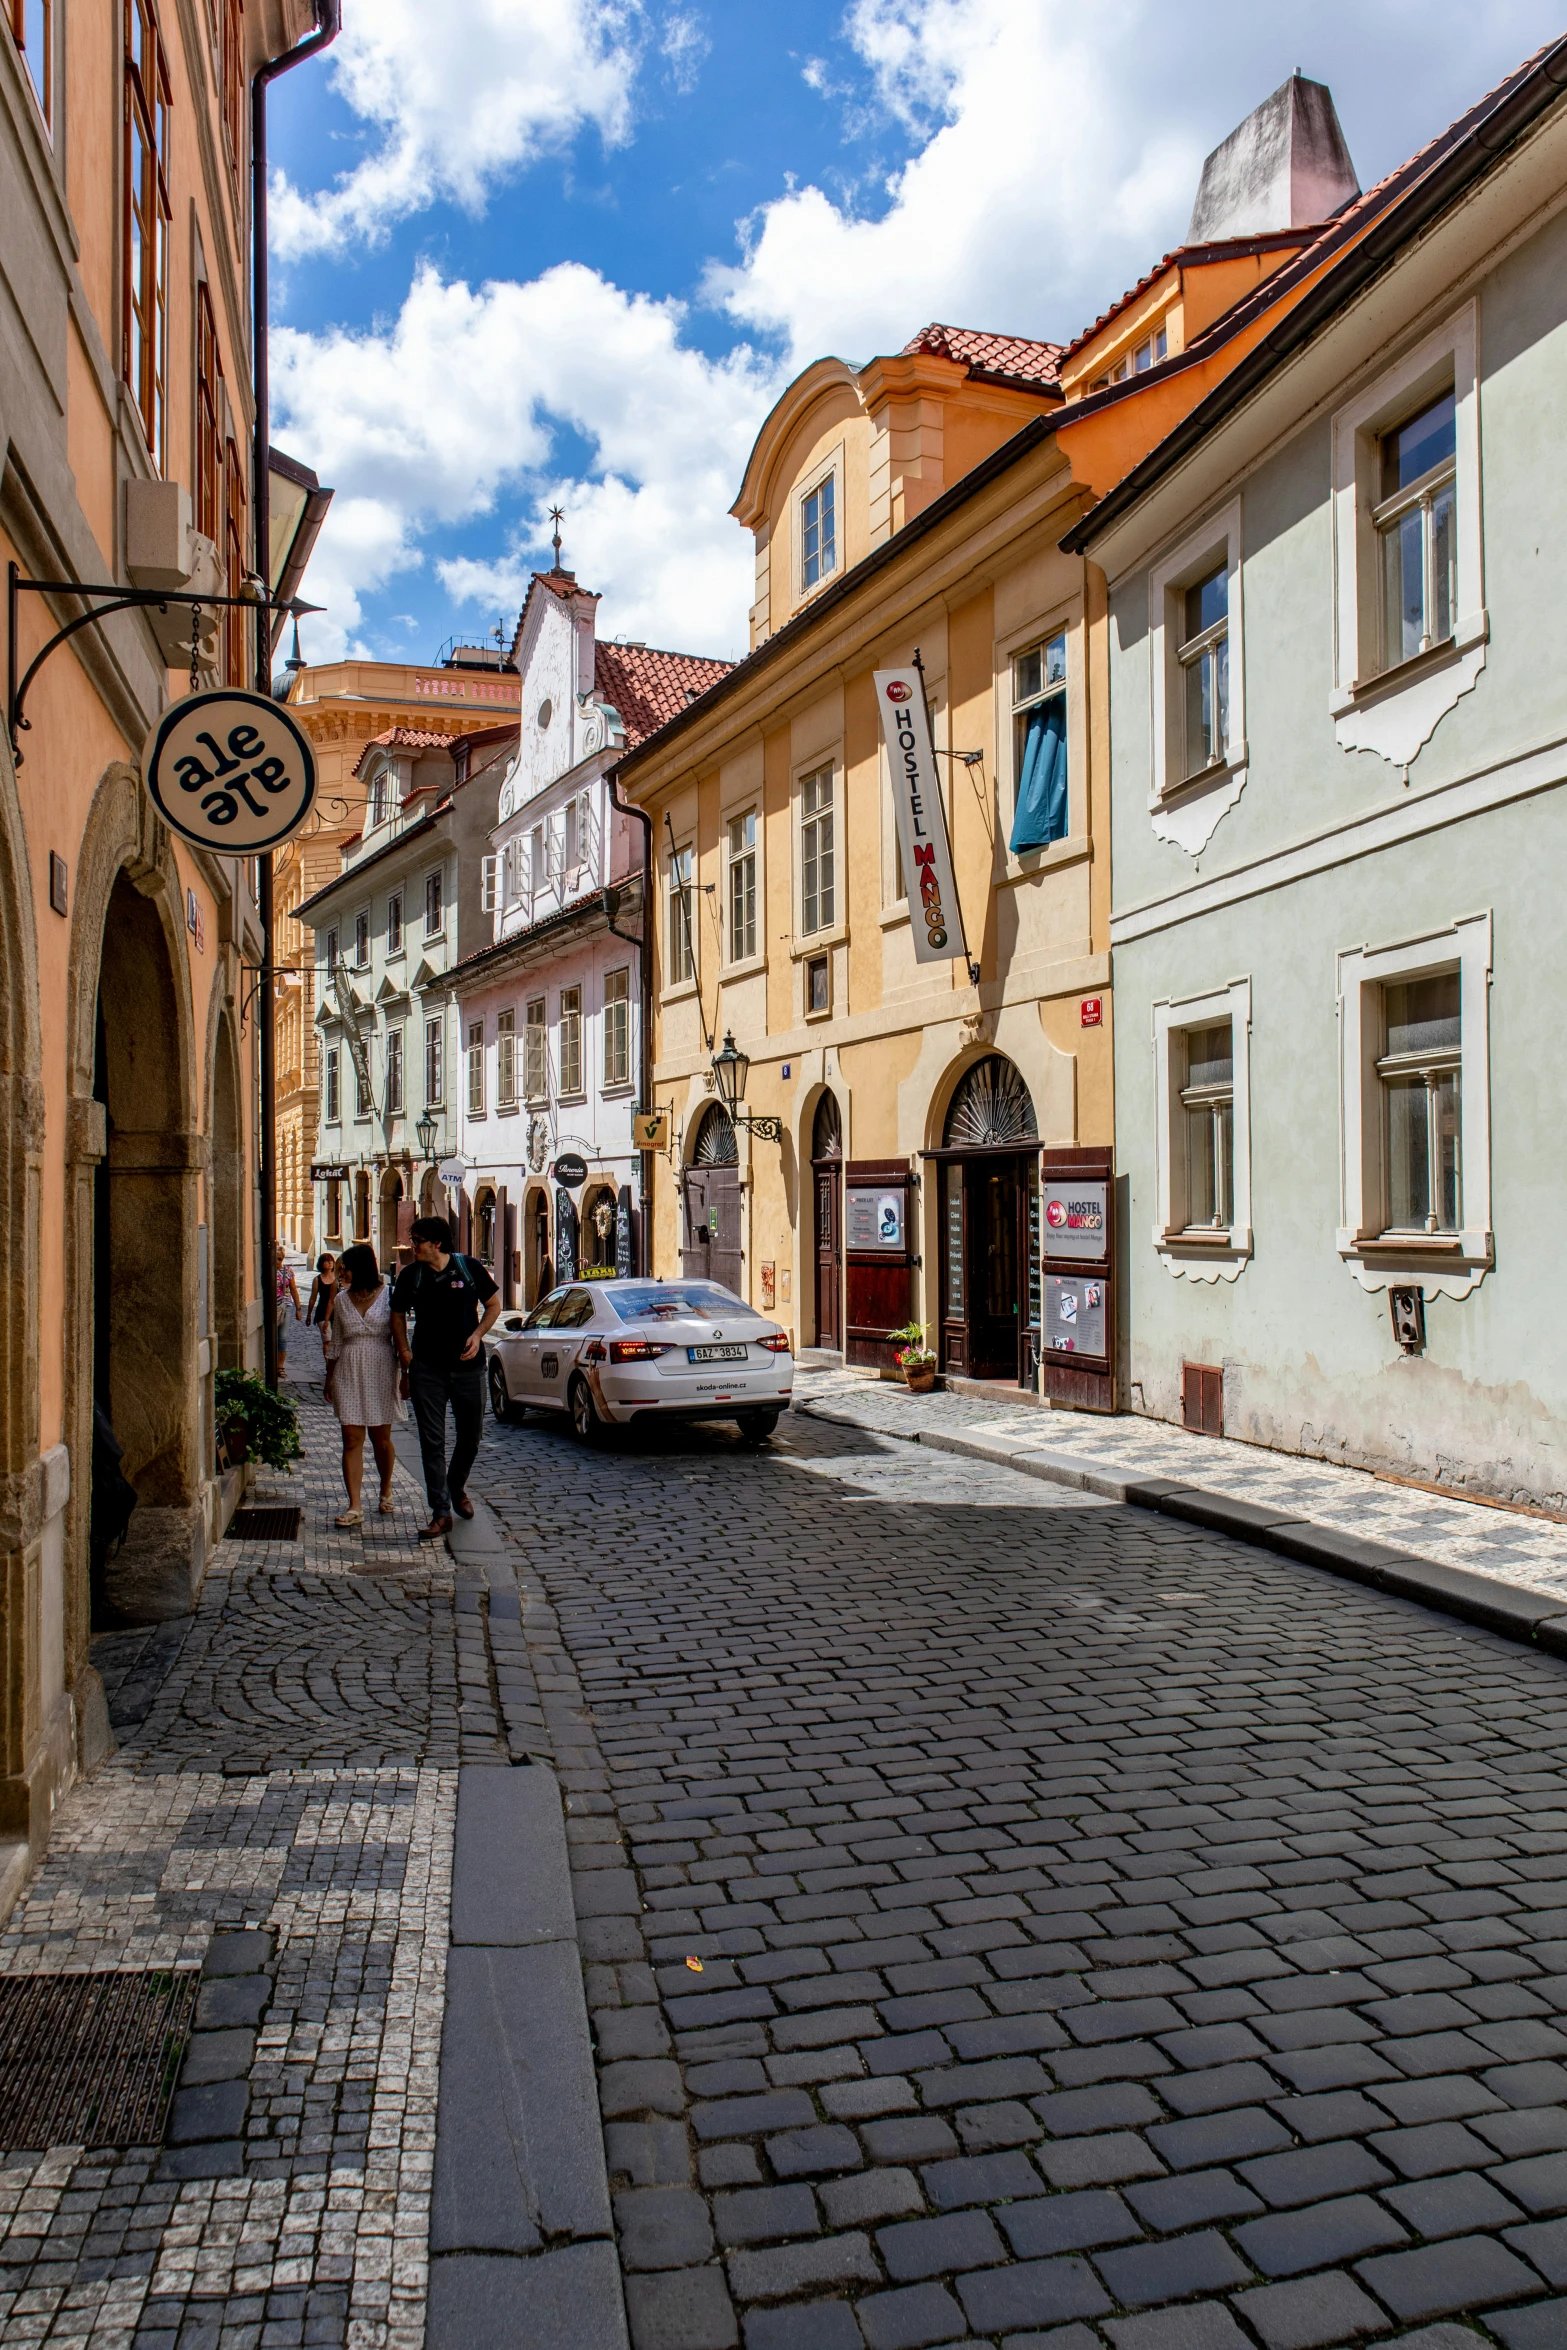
{"x":332,"y":1085}
{"x":734,"y":954}
{"x":435,"y":1062}
{"x":570,"y":1060}
{"x":362,"y":943}
{"x":394,"y":929}
{"x":506,"y":1059}
{"x":364,"y":1098}
{"x":473,"y":1034}
{"x":1395,"y":711}
{"x":617,"y":1017}
{"x":833,"y":927}
{"x":535,"y":1051}
{"x":395,"y":1069}
{"x":1444,"y":1264}
{"x":690,"y":979}
{"x":435,"y":896}
{"x":1186,"y":809}
{"x":1201,"y":1254}
{"x":831,"y":466}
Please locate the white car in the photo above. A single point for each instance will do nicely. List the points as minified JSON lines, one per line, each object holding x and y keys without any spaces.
{"x":614,"y":1351}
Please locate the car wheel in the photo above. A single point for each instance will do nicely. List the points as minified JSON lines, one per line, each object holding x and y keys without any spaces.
{"x":500,"y":1398}
{"x":585,"y":1421}
{"x":756,"y":1427}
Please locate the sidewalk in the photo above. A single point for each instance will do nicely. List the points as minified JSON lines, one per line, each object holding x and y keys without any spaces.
{"x":1510,"y":1548}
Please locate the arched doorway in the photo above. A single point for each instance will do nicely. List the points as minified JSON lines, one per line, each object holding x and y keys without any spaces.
{"x":484,"y":1227}
{"x":539,"y":1276}
{"x":388,"y":1235}
{"x":989,"y":1161}
{"x":362,"y":1204}
{"x":710,"y":1190}
{"x":598,"y":1229}
{"x":827,"y":1184}
{"x":431,"y":1199}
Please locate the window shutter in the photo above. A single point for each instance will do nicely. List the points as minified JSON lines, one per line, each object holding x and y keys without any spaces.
{"x":487,"y":886}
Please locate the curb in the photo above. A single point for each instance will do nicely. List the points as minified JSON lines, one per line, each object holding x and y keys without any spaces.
{"x":1531,"y":1617}
{"x":522,"y":2244}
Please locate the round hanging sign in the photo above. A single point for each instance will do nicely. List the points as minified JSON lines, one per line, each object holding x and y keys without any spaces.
{"x":230,"y":770}
{"x":571,"y":1170}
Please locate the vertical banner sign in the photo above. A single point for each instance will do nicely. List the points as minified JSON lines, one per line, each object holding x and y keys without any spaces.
{"x":935,"y":920}
{"x":565,"y":1236}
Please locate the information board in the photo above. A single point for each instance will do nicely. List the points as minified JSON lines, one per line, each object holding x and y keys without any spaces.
{"x":1075,"y":1314}
{"x":873,"y":1219}
{"x":1075,"y":1224}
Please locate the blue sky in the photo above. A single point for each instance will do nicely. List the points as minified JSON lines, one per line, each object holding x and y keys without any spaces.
{"x":572,"y":249}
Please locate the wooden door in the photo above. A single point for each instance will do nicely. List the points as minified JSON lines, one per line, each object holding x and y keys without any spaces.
{"x":993,"y":1192}
{"x":829,"y":1253}
{"x":710,"y":1244}
{"x":879,"y":1280}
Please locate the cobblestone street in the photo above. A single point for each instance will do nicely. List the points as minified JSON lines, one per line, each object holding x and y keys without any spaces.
{"x":1006,"y":1917}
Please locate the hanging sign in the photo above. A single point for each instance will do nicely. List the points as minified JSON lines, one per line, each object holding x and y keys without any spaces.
{"x":934,"y":918}
{"x":571,"y":1169}
{"x":230,"y":770}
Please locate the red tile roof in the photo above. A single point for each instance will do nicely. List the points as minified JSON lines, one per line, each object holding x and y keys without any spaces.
{"x":1188,"y":257}
{"x":1006,"y":359}
{"x":648,"y":687}
{"x":406,"y":738}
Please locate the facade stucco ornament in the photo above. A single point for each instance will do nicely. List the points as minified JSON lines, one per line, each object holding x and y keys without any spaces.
{"x":538,"y":1143}
{"x":978,"y":1027}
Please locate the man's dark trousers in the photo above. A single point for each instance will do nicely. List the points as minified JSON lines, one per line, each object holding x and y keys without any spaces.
{"x":432,"y":1388}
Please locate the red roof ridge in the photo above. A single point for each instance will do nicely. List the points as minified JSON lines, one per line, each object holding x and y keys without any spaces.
{"x":990,"y":356}
{"x":406,"y":738}
{"x":648,"y":686}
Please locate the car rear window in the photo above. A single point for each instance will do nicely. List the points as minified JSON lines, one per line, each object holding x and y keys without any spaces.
{"x":661,"y":1301}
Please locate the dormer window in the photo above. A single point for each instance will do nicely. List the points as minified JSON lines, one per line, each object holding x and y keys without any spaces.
{"x":378,"y":800}
{"x":819,"y":533}
{"x":1148,"y":354}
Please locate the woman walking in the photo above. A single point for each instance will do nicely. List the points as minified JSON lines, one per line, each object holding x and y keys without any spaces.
{"x":287,"y":1287}
{"x":362,"y":1374}
{"x":322,"y":1290}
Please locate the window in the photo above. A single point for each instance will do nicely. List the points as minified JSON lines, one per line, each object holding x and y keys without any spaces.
{"x":1420,"y":1067}
{"x":682,"y":940}
{"x":146,"y":220}
{"x":394,"y":923}
{"x":333,"y":1101}
{"x":331,"y":951}
{"x":434,"y":905}
{"x":506,"y":1060}
{"x":617,"y":1027}
{"x":394,"y":1072}
{"x":476,"y":1068}
{"x":538,"y":872}
{"x":818,"y":986}
{"x":817,"y":885}
{"x":1039,"y":745}
{"x":378,"y":800}
{"x":234,"y":89}
{"x":570,"y":1040}
{"x":1415,"y":1110}
{"x":819,"y":532}
{"x":742,"y":886}
{"x":535,"y":1061}
{"x":361,"y":940}
{"x":434,"y":1064}
{"x":362,"y":1102}
{"x":1414,"y":524}
{"x":1208,"y":1100}
{"x":1147,"y":354}
{"x":236,"y":622}
{"x":209,"y":420}
{"x":32,"y":25}
{"x":1202,"y":1061}
{"x":1204,"y":656}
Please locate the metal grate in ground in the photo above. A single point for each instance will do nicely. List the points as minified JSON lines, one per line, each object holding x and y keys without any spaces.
{"x":280,"y":1524}
{"x":91,"y":2059}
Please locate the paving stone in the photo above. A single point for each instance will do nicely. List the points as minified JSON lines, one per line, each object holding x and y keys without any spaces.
{"x":804,"y":2154}
{"x":765,"y":2215}
{"x":1067,"y":2223}
{"x":1544,"y":2245}
{"x":1189,"y":2201}
{"x":1311,"y":2314}
{"x":1451,"y":2205}
{"x":785,"y":2269}
{"x":1206,"y":2326}
{"x":986,"y":2178}
{"x":938,"y":2247}
{"x":1103,"y":2161}
{"x":1030,"y":2293}
{"x":1540,"y":2326}
{"x":1287,"y":2242}
{"x":815,"y":2325}
{"x":867,"y":2196}
{"x":1538,"y":2182}
{"x":1438,"y":2278}
{"x":911,"y":2318}
{"x":663,"y":2227}
{"x":1218,"y":2137}
{"x":681,"y":2309}
{"x":1201,"y":2263}
{"x":1312,"y":2173}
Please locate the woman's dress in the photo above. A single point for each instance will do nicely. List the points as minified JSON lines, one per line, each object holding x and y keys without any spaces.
{"x":364,"y":1362}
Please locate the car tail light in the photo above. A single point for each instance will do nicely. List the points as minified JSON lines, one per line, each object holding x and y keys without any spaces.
{"x":636,"y":1350}
{"x":776,"y":1342}
{"x":593,"y":1352}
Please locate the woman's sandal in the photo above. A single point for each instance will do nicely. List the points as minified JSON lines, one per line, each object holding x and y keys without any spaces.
{"x":384,"y":1506}
{"x":350,"y":1518}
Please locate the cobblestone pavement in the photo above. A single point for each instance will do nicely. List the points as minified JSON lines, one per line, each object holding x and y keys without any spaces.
{"x":287,"y":1759}
{"x":1012,"y":1918}
{"x":1514,"y":1545}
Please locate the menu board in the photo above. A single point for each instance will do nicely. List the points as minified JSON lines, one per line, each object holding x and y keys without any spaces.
{"x":1075,"y":1314}
{"x":873,"y":1220}
{"x":1075,"y":1218}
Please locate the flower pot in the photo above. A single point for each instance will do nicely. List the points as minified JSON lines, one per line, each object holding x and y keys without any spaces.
{"x":920,"y":1382}
{"x":235,"y":1438}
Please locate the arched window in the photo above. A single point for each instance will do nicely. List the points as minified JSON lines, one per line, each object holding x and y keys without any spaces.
{"x":827,"y":1132}
{"x":990,"y":1107}
{"x":715,"y":1140}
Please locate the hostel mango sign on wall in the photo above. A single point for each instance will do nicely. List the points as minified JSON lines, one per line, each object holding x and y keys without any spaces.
{"x":229,"y":770}
{"x":934,"y":919}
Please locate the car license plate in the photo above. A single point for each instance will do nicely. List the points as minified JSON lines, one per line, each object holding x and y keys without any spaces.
{"x":716,"y":1354}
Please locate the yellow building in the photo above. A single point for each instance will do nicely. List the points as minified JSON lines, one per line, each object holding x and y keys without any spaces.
{"x":128,"y":1061}
{"x":343,"y":706}
{"x":910,"y":508}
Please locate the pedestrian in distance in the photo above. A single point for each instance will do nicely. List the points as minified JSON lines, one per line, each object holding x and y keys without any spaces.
{"x":322,"y":1290}
{"x":363,"y":1384}
{"x":287,"y":1289}
{"x":453,"y":1302}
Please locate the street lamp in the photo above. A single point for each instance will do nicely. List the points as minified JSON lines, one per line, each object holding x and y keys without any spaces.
{"x":731,"y":1068}
{"x":425,"y":1129}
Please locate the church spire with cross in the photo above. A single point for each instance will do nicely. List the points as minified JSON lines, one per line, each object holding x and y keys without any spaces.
{"x":557,"y":516}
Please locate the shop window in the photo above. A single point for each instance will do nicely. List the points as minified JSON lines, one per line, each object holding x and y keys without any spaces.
{"x":617,"y":1027}
{"x":476,"y":1068}
{"x":506,"y":1060}
{"x":570,"y":1040}
{"x":742,"y":886}
{"x":1039,"y":762}
{"x":680,"y":927}
{"x":1202,"y":1219}
{"x":818,"y":853}
{"x":434,"y":1064}
{"x":394,"y":1072}
{"x":145,"y":221}
{"x":535,"y":1059}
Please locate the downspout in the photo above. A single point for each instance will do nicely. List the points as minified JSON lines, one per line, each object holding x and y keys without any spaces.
{"x":645,"y":972}
{"x":328,"y":22}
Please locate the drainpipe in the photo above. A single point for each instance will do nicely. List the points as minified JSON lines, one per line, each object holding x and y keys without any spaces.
{"x":645,"y":973}
{"x":328,"y":23}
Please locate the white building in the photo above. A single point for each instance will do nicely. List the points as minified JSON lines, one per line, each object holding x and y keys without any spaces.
{"x":550,"y":1011}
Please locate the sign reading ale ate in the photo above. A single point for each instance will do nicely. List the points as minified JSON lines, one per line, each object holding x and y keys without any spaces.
{"x":230,"y":770}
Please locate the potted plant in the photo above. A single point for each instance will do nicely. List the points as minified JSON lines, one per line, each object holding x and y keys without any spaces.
{"x":915,"y":1359}
{"x":254,"y":1422}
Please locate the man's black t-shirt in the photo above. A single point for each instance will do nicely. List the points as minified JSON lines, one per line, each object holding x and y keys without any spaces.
{"x":447,"y":1308}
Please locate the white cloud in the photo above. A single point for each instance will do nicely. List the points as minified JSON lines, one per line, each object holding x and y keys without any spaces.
{"x":464,"y":103}
{"x":420,"y":425}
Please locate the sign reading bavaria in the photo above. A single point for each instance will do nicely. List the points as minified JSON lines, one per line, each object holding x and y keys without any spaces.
{"x":230,"y":770}
{"x":934,"y":919}
{"x":571,"y":1169}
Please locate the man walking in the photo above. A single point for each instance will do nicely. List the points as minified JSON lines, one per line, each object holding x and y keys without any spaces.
{"x":453,"y":1302}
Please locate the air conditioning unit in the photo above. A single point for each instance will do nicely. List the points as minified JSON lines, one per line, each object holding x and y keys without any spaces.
{"x":162,"y":550}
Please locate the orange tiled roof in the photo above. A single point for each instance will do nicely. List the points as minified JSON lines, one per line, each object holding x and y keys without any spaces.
{"x":406,"y":738}
{"x":648,"y":687}
{"x":1007,"y":359}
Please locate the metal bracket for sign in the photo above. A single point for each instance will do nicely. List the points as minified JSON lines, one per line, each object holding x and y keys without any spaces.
{"x":121,"y":599}
{"x":769,"y":1128}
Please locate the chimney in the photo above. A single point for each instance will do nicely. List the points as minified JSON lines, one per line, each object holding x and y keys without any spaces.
{"x":1286,"y":166}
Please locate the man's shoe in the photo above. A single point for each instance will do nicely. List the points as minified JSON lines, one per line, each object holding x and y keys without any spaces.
{"x":435,"y":1529}
{"x":462,"y":1505}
